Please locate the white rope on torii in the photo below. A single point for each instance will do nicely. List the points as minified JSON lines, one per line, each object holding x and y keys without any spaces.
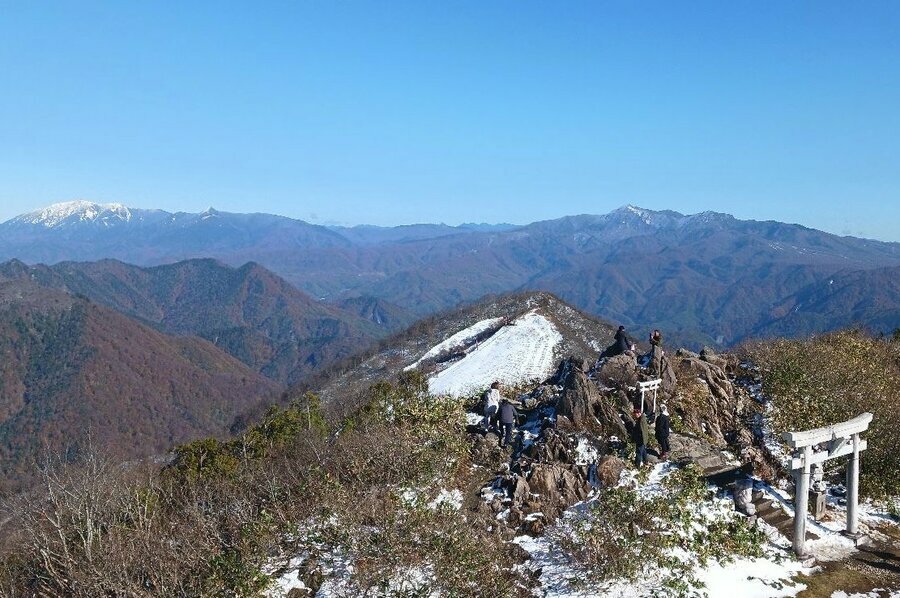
{"x":840,"y":439}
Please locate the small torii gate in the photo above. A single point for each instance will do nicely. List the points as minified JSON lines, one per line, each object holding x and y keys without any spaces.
{"x":840,"y":439}
{"x":648,"y":386}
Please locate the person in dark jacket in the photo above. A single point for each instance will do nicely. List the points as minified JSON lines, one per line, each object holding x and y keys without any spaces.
{"x":622,"y":343}
{"x":619,"y":346}
{"x":641,"y":435}
{"x":662,"y":433}
{"x":656,"y":338}
{"x":507,"y":420}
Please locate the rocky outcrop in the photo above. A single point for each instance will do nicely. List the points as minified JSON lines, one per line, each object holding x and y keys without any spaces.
{"x":608,"y":471}
{"x":619,"y":372}
{"x":582,"y":404}
{"x":660,"y":366}
{"x":707,"y":402}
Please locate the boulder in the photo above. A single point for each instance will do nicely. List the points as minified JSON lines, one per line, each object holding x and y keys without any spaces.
{"x":518,"y":490}
{"x":707,"y":402}
{"x":555,"y":448}
{"x":608,"y":471}
{"x":579,"y":395}
{"x":534,"y":525}
{"x":557,"y":486}
{"x":660,"y":366}
{"x":620,"y":371}
{"x":581,"y":403}
{"x":710,"y":356}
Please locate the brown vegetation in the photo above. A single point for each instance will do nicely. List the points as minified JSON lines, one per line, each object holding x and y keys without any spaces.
{"x":71,"y":367}
{"x":210,"y":522}
{"x":832,"y":378}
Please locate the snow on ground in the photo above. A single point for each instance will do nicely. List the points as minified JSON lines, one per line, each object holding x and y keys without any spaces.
{"x":768,"y":577}
{"x":585,"y":453}
{"x":457,"y":340}
{"x":520,"y":352}
{"x":876,"y":593}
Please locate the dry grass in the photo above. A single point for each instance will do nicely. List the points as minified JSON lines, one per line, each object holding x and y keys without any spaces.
{"x":832,"y":378}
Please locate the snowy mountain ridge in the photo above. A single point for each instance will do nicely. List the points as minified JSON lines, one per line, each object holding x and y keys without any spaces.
{"x":61,"y":214}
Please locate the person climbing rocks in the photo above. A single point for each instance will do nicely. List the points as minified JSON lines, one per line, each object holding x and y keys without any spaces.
{"x":640,"y":434}
{"x":656,"y":338}
{"x":491,"y":405}
{"x":507,"y":420}
{"x":662,"y":433}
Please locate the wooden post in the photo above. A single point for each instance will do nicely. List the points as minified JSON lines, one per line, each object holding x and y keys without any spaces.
{"x":801,"y":503}
{"x":853,"y":488}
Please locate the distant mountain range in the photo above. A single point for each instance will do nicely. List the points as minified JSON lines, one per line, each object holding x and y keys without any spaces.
{"x":704,"y":279}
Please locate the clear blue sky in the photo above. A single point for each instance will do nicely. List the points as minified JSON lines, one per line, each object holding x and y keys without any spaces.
{"x":392,"y":112}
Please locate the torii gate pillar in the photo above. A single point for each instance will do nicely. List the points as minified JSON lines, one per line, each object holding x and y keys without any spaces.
{"x":853,"y":488}
{"x":840,"y":439}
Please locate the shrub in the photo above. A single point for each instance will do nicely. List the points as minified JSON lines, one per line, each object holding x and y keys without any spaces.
{"x":832,"y":378}
{"x":210,"y":523}
{"x":626,"y":536}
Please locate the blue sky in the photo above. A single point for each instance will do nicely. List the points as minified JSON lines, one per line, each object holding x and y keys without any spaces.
{"x":393,"y":112}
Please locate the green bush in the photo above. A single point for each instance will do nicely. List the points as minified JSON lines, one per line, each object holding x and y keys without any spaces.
{"x":625,"y":535}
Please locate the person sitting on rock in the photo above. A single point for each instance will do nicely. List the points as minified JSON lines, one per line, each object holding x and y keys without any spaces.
{"x":491,"y":405}
{"x":641,"y":435}
{"x":662,"y":433}
{"x":620,"y":345}
{"x":507,"y":420}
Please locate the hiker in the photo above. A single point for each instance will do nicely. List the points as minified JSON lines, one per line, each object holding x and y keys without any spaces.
{"x":622,"y":343}
{"x":662,"y":433}
{"x":507,"y":420}
{"x":640,"y":434}
{"x":491,"y":405}
{"x":656,"y":338}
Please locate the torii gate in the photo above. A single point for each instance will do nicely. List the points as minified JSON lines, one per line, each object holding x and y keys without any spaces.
{"x":647,"y":386}
{"x":841,"y":439}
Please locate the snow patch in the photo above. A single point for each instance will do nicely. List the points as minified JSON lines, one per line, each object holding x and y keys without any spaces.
{"x":520,"y":352}
{"x":457,"y":340}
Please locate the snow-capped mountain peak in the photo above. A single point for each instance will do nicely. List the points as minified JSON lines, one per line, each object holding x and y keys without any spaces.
{"x":60,"y":214}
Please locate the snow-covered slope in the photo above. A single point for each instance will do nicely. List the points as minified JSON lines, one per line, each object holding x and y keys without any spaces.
{"x":458,"y":340}
{"x":60,"y":214}
{"x":522,"y":351}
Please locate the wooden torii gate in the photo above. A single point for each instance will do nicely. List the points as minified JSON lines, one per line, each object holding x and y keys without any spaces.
{"x":840,"y":439}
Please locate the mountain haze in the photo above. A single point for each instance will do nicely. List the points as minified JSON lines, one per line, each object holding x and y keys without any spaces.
{"x":249,"y":312}
{"x":706,"y":278}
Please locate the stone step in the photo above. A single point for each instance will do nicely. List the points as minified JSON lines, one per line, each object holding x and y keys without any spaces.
{"x":778,"y":518}
{"x":768,"y":511}
{"x":787,"y":529}
{"x":725,"y":475}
